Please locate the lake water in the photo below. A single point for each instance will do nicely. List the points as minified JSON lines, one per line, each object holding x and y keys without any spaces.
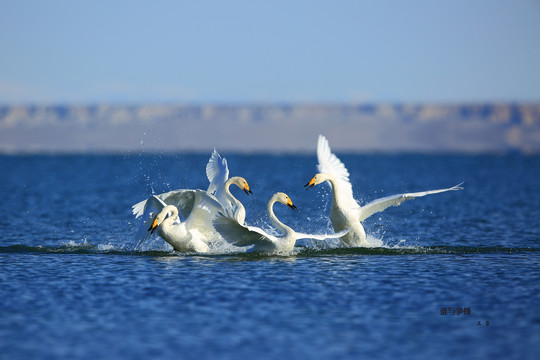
{"x":458,"y":275}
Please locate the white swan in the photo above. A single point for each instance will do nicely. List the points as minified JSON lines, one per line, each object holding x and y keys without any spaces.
{"x":176,"y":234}
{"x":230,"y":203}
{"x":243,"y":235}
{"x":217,"y":172}
{"x":345,"y":213}
{"x":190,"y":235}
{"x":183,"y":199}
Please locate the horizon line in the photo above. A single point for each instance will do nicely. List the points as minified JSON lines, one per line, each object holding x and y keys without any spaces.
{"x":269,"y":103}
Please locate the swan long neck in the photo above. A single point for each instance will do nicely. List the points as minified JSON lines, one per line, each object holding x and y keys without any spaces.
{"x":228,"y":194}
{"x":237,"y":207}
{"x":335,"y":189}
{"x":174,"y":216}
{"x":167,"y":227}
{"x":273,"y":218}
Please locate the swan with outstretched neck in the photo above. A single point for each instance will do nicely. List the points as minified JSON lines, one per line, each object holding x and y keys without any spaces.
{"x":345,"y":212}
{"x":243,"y":235}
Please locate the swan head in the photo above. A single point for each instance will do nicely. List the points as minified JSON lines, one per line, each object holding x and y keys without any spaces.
{"x":163,"y":214}
{"x":285,"y":199}
{"x":316,"y":180}
{"x":241,"y":183}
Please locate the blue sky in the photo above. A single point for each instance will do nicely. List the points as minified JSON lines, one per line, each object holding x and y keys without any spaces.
{"x":269,"y":51}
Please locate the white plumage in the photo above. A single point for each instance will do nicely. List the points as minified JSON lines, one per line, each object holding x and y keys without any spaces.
{"x":193,"y":234}
{"x":243,"y":235}
{"x":345,"y":212}
{"x":217,"y":173}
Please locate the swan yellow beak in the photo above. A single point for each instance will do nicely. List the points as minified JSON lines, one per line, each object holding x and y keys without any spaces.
{"x":310,"y":184}
{"x":154,"y":226}
{"x":291,"y":205}
{"x":246,"y":189}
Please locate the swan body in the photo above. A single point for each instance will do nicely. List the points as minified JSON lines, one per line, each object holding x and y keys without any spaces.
{"x":244,"y":235}
{"x":345,"y":212}
{"x":197,"y":207}
{"x":176,"y":233}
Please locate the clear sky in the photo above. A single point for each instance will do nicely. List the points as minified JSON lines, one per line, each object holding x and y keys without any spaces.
{"x":269,"y":51}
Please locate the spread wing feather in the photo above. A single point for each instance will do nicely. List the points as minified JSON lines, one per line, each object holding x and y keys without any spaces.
{"x":217,"y":172}
{"x":183,"y":199}
{"x":205,"y":209}
{"x":240,"y":235}
{"x":321,"y":236}
{"x":396,"y":200}
{"x":330,"y":164}
{"x":153,"y":205}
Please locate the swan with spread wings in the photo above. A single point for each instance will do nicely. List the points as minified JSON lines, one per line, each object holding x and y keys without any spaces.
{"x":197,"y":207}
{"x":217,"y":172}
{"x":345,"y":212}
{"x":192,"y":234}
{"x":244,"y":235}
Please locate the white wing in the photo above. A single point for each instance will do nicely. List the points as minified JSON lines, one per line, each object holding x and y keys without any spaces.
{"x":241,"y":235}
{"x":138,"y":208}
{"x":217,"y":172}
{"x":330,"y":164}
{"x":153,"y":205}
{"x":395,"y":200}
{"x":321,"y":236}
{"x":206,"y":207}
{"x":183,"y":199}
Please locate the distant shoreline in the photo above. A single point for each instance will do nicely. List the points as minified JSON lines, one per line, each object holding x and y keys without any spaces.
{"x":285,"y":128}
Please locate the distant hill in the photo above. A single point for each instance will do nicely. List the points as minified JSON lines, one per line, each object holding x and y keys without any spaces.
{"x":366,"y":127}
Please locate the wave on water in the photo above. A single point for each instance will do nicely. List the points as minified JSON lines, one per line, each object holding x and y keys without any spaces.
{"x":109,"y":249}
{"x":82,"y":248}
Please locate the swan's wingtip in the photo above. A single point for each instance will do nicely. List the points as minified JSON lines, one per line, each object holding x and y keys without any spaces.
{"x":343,"y":232}
{"x":322,"y":140}
{"x":323,"y":147}
{"x":215,"y":154}
{"x":138,"y":208}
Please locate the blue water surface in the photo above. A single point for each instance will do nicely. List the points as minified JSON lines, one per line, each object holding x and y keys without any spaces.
{"x":457,"y":275}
